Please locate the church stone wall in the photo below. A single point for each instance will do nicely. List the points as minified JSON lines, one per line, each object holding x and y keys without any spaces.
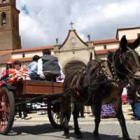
{"x":74,"y":49}
{"x":73,"y":42}
{"x":66,"y":57}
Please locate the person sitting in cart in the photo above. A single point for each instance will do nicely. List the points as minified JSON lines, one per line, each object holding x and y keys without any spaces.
{"x":49,"y":67}
{"x":33,"y":67}
{"x":5,"y":74}
{"x":17,"y":73}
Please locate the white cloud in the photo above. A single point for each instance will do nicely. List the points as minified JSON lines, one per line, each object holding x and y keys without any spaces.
{"x":31,"y":32}
{"x":49,"y":19}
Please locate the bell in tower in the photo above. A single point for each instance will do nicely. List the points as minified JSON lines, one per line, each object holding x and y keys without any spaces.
{"x":3,"y":1}
{"x":13,"y":2}
{"x":9,"y":26}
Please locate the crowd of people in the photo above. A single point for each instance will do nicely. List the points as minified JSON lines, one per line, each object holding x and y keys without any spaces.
{"x":45,"y":67}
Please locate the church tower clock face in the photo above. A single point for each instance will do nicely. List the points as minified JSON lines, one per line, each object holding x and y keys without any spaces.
{"x":73,"y":41}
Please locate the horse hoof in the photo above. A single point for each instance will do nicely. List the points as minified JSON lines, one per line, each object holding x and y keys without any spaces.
{"x":79,"y":136}
{"x":67,"y":136}
{"x":127,"y":139}
{"x":96,"y":137}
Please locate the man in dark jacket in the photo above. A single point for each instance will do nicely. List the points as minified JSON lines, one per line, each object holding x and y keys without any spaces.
{"x":134,"y":99}
{"x":48,"y":66}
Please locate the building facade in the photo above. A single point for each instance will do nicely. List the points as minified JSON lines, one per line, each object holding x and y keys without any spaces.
{"x":9,"y":26}
{"x":72,"y":50}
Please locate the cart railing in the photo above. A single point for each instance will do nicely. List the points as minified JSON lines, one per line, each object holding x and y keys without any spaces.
{"x":42,"y":87}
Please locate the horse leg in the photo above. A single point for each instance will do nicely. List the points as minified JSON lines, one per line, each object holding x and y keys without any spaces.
{"x":76,"y":125}
{"x":97,"y":113}
{"x":121,"y":119}
{"x":65,"y":114}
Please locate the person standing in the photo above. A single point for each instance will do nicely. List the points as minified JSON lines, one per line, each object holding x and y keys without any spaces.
{"x":134,"y":99}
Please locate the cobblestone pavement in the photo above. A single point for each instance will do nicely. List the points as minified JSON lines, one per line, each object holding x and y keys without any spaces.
{"x":37,"y":127}
{"x":41,"y":130}
{"x":109,"y":128}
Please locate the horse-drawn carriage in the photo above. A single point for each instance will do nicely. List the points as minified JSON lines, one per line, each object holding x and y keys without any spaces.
{"x":14,"y":97}
{"x":91,"y":82}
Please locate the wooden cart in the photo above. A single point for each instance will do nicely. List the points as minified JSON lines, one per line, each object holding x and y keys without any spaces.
{"x":13,"y":98}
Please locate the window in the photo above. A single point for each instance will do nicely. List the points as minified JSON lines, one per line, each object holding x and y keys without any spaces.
{"x":105,"y":47}
{"x":23,"y":55}
{"x":3,"y":19}
{"x":138,"y":34}
{"x":3,"y":1}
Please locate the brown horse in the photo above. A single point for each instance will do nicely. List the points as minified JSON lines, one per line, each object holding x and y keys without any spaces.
{"x":101,"y":82}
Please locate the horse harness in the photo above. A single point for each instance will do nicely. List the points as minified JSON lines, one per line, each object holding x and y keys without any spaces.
{"x":114,"y":70}
{"x":108,"y":72}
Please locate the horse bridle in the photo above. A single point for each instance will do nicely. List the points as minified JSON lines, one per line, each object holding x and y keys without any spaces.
{"x":121,"y":60}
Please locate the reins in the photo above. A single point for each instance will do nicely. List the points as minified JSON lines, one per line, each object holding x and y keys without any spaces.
{"x":98,"y":70}
{"x":122,"y":62}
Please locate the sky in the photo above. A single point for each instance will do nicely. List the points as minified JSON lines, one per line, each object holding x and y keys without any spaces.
{"x":42,"y":21}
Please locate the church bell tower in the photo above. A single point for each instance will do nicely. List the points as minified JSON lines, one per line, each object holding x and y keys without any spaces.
{"x":9,"y":26}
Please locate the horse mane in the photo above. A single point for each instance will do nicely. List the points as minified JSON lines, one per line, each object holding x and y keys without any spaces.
{"x":90,"y":56}
{"x":74,"y":74}
{"x":110,"y":56}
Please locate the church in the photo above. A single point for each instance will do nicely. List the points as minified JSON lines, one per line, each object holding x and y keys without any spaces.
{"x":72,"y":50}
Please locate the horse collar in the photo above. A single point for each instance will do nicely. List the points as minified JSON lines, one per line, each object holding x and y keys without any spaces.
{"x":114,"y":76}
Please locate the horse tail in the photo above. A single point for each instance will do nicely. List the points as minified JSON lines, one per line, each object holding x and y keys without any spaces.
{"x":90,"y":56}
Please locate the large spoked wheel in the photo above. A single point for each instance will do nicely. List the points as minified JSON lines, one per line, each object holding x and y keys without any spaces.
{"x":7,"y":110}
{"x":54,"y":114}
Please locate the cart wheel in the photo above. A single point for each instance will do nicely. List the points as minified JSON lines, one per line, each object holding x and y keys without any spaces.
{"x":7,"y":110}
{"x":54,"y":115}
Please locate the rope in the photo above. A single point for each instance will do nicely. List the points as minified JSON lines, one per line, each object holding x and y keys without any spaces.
{"x":102,"y":82}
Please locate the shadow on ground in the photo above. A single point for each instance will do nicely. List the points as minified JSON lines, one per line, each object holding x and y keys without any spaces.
{"x":89,"y":136}
{"x":48,"y":129}
{"x":34,"y":130}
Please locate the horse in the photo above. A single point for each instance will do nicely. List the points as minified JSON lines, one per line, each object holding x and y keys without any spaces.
{"x":98,"y":82}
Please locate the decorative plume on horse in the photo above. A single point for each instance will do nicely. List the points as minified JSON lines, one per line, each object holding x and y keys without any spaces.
{"x":99,"y":82}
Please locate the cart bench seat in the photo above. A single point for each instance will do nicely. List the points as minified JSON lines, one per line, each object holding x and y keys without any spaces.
{"x":41,"y":87}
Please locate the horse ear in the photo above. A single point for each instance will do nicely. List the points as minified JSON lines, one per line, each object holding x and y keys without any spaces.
{"x":90,"y":56}
{"x":135,"y":44}
{"x":123,"y":44}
